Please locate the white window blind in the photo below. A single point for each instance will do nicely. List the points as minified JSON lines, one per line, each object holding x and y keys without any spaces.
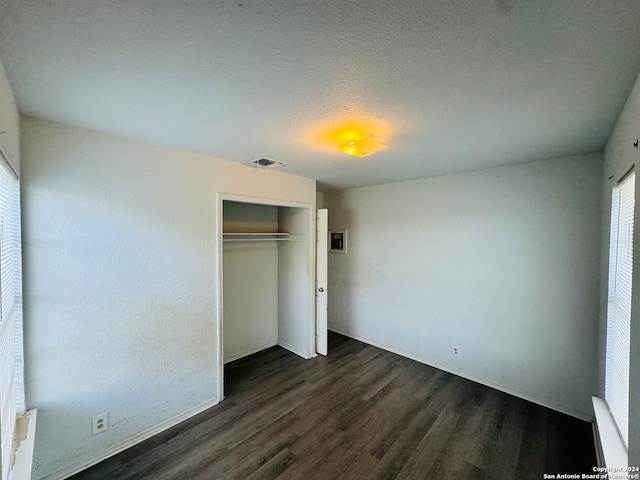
{"x":12,"y":401}
{"x":619,"y":303}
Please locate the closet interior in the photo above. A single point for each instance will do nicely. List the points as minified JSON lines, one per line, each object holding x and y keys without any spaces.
{"x":266,"y":279}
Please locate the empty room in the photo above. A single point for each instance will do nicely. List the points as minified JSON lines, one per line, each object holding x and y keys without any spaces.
{"x":296,"y":240}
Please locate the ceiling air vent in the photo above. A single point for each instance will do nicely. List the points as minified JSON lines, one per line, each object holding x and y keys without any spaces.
{"x":266,"y":163}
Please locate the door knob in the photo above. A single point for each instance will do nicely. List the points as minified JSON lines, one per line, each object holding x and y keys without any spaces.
{"x":321,"y":289}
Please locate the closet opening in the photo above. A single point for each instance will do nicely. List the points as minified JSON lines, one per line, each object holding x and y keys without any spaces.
{"x":266,"y":263}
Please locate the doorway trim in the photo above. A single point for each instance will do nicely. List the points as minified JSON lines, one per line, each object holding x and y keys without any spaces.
{"x":219,"y":323}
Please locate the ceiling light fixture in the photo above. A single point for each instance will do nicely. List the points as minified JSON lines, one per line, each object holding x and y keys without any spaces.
{"x":363,"y":146}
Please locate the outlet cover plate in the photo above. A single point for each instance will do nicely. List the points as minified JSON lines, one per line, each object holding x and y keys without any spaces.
{"x":100,"y":423}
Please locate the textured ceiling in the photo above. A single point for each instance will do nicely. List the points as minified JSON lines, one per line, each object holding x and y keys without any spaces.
{"x":449,"y":85}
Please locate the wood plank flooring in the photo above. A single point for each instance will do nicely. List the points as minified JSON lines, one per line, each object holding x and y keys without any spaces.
{"x":359,"y":413}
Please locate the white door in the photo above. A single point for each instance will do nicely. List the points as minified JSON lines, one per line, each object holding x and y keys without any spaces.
{"x":322,"y":226}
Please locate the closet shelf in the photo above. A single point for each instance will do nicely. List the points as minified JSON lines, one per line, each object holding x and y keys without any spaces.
{"x":255,"y":237}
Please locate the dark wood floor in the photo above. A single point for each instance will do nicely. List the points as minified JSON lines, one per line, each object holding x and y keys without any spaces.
{"x":360,"y":413}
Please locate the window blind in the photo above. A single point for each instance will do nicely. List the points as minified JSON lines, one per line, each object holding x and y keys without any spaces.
{"x":11,"y":347}
{"x":619,"y":303}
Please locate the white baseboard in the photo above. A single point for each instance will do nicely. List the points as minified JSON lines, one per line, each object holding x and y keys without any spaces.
{"x":93,"y":459}
{"x":250,"y":352}
{"x":574,"y":413}
{"x":292,"y":349}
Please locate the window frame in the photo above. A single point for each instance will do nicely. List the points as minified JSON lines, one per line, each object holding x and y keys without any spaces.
{"x":12,"y":400}
{"x":619,"y":301}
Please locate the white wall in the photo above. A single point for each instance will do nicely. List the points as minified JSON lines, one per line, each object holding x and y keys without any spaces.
{"x":121,"y":284}
{"x":620,"y":155}
{"x":250,"y":281}
{"x":295,"y":267}
{"x":503,"y":263}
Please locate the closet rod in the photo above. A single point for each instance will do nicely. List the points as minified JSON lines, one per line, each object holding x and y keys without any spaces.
{"x":255,"y":237}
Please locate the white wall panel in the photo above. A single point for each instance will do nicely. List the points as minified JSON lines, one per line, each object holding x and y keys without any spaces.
{"x":121,"y":284}
{"x":503,"y":263}
{"x":250,"y":281}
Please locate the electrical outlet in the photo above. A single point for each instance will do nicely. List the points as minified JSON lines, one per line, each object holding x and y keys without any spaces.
{"x":455,"y":351}
{"x":100,"y":423}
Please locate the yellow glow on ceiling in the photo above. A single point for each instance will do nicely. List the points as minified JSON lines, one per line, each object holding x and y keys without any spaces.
{"x":366,"y":136}
{"x":363,"y":146}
